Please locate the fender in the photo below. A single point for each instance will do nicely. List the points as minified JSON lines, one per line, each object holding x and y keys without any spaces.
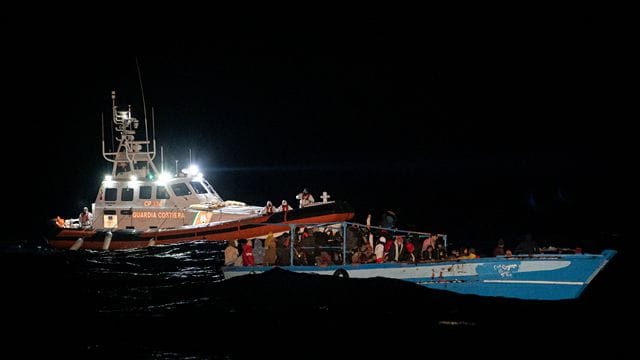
{"x":341,"y":273}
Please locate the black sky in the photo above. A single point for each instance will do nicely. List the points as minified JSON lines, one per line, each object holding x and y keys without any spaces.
{"x":489,"y":132}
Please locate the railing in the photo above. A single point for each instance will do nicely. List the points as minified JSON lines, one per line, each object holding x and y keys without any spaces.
{"x":296,"y":236}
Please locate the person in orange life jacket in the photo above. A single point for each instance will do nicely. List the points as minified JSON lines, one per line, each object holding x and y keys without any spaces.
{"x":305,"y":198}
{"x":268,"y":209}
{"x":86,"y":218}
{"x":284,"y":207}
{"x":247,"y":254}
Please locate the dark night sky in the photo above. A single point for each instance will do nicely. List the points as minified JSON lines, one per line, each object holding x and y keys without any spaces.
{"x":457,"y":136}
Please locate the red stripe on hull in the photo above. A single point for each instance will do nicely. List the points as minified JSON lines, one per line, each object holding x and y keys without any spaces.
{"x":196,"y":233}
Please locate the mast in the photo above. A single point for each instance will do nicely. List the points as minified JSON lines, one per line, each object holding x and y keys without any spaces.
{"x":132,"y":157}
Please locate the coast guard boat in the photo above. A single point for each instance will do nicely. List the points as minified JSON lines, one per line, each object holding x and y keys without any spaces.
{"x":544,"y":276}
{"x":137,"y":205}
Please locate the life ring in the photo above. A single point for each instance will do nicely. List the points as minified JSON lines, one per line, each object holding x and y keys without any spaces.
{"x":341,"y":273}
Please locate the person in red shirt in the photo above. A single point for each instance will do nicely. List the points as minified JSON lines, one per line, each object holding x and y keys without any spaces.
{"x":247,"y":254}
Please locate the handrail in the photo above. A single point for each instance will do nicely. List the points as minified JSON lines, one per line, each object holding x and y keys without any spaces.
{"x":343,"y":225}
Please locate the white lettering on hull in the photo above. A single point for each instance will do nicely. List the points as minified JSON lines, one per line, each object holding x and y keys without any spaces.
{"x":158,"y":215}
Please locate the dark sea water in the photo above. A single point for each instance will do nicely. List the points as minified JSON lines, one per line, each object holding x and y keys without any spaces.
{"x":172,"y":302}
{"x":522,"y":129}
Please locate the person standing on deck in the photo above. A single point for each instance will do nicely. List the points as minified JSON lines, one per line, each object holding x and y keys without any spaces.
{"x":284,"y":207}
{"x":268,"y":209}
{"x":305,"y":198}
{"x":379,"y":251}
{"x":232,"y":255}
{"x":247,"y":254}
{"x":258,"y":251}
{"x":398,"y":251}
{"x":86,"y":218}
{"x":270,"y":250}
{"x":410,"y":249}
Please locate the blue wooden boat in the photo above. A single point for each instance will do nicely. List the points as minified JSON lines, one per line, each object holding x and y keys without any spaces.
{"x":531,"y":277}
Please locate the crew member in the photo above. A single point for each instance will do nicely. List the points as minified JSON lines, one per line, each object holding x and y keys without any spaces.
{"x":284,"y":207}
{"x":86,"y":218}
{"x":268,"y":209}
{"x":305,"y":198}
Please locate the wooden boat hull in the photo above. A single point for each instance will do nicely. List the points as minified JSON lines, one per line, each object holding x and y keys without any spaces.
{"x":537,"y":277}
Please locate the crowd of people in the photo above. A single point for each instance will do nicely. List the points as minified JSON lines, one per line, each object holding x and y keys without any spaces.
{"x":324,"y":246}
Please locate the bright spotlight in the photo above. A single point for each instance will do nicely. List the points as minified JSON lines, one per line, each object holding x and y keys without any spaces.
{"x":163,"y":178}
{"x":193,"y":170}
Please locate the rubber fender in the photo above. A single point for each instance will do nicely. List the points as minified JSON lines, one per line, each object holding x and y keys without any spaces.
{"x":341,"y":273}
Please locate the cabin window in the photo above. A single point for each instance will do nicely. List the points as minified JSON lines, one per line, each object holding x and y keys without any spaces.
{"x":110,"y":194}
{"x":212,"y":191}
{"x":161,"y":192}
{"x":145,"y":192}
{"x":198,"y":187}
{"x":180,"y":189}
{"x":127,"y":194}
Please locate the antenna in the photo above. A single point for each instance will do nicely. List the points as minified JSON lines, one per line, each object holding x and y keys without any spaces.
{"x":189,"y":157}
{"x":144,"y":104}
{"x":113,"y":144}
{"x":129,"y":151}
{"x":153,"y":125}
{"x":102,"y":120}
{"x":162,"y":159}
{"x":153,"y":129}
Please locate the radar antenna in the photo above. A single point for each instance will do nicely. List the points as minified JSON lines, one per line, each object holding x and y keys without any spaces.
{"x":132,"y":157}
